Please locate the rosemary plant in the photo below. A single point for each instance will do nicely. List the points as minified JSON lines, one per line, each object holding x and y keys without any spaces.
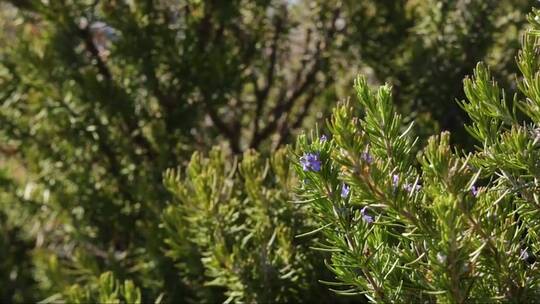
{"x":439,"y":225}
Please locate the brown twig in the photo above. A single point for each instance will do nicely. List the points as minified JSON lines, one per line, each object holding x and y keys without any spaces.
{"x":134,"y":132}
{"x":286,"y":103}
{"x":262,"y":95}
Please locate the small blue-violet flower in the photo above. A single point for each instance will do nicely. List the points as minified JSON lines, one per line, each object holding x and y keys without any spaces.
{"x":412,"y":188}
{"x":310,"y":162}
{"x":367,"y":157}
{"x":366,"y":217}
{"x":395,"y":181}
{"x":474,"y":191}
{"x":345,"y":190}
{"x":323,"y":138}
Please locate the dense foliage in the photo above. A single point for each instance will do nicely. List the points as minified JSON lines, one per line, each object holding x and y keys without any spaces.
{"x":240,"y":219}
{"x":100,"y":99}
{"x":426,"y":52}
{"x":104,"y":289}
{"x":95,"y":107}
{"x":444,"y":226}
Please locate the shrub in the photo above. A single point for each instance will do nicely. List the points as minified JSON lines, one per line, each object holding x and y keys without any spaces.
{"x":444,"y":226}
{"x":98,"y":98}
{"x":92,"y":119}
{"x":105,"y":289}
{"x":234,"y":228}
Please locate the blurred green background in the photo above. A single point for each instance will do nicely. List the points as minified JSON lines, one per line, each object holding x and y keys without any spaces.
{"x":99,"y":98}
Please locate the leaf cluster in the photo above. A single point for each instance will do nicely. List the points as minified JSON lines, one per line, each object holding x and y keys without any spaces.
{"x":444,"y":226}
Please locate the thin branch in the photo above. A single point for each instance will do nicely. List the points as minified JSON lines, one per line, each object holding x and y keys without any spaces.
{"x":262,"y":95}
{"x":286,"y":105}
{"x":309,"y":79}
{"x":204,"y":34}
{"x":305,"y":109}
{"x":285,"y":129}
{"x":222,"y":127}
{"x":283,"y":105}
{"x":87,"y":38}
{"x":86,"y":35}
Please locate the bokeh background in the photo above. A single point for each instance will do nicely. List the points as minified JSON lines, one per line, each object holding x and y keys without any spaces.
{"x":99,"y":98}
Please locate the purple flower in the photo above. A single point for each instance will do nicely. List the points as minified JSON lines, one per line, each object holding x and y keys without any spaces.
{"x":395,"y":181}
{"x":366,"y":217}
{"x":367,"y":157}
{"x":310,"y":162}
{"x":412,"y":188}
{"x":474,"y":191}
{"x":323,"y":138}
{"x":345,"y":190}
